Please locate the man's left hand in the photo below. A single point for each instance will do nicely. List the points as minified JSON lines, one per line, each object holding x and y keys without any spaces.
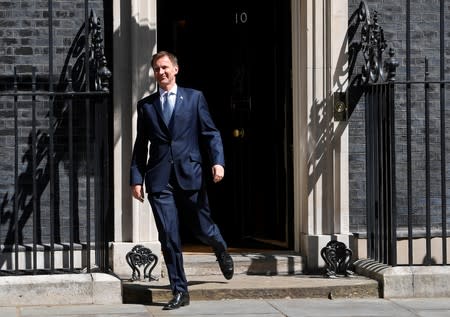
{"x":218,"y":172}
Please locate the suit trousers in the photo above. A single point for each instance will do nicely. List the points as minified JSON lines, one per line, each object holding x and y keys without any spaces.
{"x":193,"y":206}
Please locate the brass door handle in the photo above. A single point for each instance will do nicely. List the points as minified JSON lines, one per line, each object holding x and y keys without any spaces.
{"x":238,"y":133}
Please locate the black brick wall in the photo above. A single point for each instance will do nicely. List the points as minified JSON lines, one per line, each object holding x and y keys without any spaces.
{"x":424,"y":43}
{"x":24,"y":44}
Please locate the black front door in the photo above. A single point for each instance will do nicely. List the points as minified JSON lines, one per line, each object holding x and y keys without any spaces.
{"x":239,"y":54}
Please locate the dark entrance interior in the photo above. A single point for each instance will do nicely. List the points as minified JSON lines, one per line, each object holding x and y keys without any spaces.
{"x":239,"y":54}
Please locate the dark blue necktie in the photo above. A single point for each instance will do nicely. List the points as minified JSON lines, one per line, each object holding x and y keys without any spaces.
{"x":167,"y":109}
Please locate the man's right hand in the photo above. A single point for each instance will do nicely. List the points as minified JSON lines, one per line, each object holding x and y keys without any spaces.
{"x":138,"y":192}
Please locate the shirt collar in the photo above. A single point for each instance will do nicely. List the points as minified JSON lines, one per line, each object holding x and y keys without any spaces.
{"x":171,"y":91}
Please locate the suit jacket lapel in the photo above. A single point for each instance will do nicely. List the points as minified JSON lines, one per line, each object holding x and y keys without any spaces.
{"x":177,"y":108}
{"x":178,"y":103}
{"x":158,"y":106}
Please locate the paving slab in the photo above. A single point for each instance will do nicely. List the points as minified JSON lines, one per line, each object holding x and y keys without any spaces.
{"x":310,"y":307}
{"x":287,"y":307}
{"x":8,"y":311}
{"x":341,"y":307}
{"x":113,"y":310}
{"x":244,"y":308}
{"x":429,"y":307}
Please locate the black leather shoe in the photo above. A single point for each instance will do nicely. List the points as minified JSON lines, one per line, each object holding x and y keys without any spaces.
{"x":178,"y":300}
{"x":226,"y":265}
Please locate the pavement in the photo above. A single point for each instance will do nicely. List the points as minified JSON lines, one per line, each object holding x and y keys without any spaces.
{"x":245,"y":295}
{"x":287,"y":307}
{"x":264,"y":285}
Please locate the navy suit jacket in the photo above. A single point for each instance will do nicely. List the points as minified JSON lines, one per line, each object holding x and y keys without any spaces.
{"x":191,"y":132}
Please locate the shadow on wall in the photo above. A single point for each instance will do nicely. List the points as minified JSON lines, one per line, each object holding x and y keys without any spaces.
{"x":133,"y":75}
{"x":134,"y":45}
{"x":324,"y":132}
{"x":324,"y":141}
{"x":355,"y":90}
{"x":30,"y":207}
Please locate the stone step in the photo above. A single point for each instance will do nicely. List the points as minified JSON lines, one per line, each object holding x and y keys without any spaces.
{"x":244,"y":286}
{"x":277,"y":274}
{"x":256,"y":263}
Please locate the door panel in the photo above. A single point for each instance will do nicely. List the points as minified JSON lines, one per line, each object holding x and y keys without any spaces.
{"x":238,"y":54}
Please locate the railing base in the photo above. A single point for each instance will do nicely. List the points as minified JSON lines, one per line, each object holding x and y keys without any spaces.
{"x":407,"y":281}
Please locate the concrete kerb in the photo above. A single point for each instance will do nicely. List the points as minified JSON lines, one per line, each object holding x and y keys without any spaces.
{"x":407,"y":281}
{"x":67,"y":289}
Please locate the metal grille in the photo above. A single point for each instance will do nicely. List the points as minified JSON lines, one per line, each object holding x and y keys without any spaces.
{"x":57,"y":214}
{"x":406,"y":165}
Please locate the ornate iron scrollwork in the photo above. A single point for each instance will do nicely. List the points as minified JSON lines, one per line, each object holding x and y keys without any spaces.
{"x":98,"y":59}
{"x":373,"y":44}
{"x":99,"y":73}
{"x":141,"y":256}
{"x":337,"y":257}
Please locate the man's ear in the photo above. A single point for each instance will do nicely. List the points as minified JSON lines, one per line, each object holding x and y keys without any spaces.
{"x":176,"y":70}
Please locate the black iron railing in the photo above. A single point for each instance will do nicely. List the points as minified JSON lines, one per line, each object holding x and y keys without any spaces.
{"x":380,"y":169}
{"x":56,"y":219}
{"x":406,"y":168}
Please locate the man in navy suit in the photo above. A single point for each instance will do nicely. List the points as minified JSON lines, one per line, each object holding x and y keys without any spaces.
{"x":176,"y":123}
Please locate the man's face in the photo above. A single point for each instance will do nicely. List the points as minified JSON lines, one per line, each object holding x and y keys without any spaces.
{"x":165,"y":72}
